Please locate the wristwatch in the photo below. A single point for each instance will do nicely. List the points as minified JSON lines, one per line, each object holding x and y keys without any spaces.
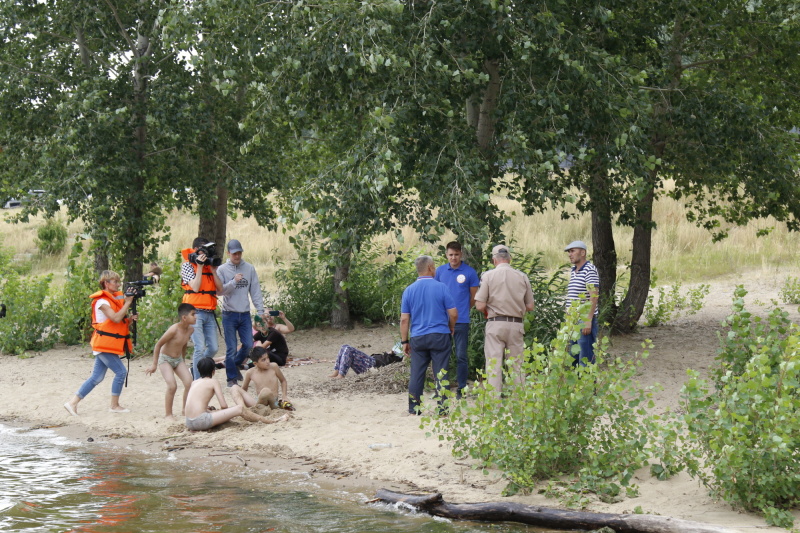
{"x":403,"y":342}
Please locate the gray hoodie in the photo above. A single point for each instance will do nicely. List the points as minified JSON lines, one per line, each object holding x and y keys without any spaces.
{"x":235,"y":294}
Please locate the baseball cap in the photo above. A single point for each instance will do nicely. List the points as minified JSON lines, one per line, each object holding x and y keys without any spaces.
{"x":576,"y":244}
{"x":234,"y":246}
{"x":500,"y":248}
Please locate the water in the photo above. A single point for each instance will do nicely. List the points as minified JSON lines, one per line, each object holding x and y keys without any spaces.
{"x":51,"y":484}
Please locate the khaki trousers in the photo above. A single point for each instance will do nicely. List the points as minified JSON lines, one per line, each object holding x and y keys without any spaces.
{"x":503,"y":341}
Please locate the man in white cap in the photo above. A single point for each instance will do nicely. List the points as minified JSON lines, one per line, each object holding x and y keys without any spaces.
{"x":504,"y":296}
{"x":584,"y":286}
{"x":239,"y":286}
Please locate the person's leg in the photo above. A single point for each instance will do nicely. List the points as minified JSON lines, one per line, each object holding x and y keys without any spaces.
{"x":361,"y":362}
{"x":419,"y":365}
{"x":244,"y":328}
{"x":346,"y":360}
{"x":199,"y":341}
{"x":116,"y":365}
{"x":229,"y":330}
{"x":460,"y":340}
{"x":223,"y":415}
{"x":515,"y":341}
{"x":493,"y":351}
{"x":98,"y":373}
{"x":211,"y":334}
{"x":340,"y":357}
{"x":440,"y":348}
{"x":586,"y":345}
{"x":242,"y":397}
{"x":172,"y":386}
{"x":186,"y":377}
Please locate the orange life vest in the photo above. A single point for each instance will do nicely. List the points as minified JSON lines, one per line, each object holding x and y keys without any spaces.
{"x":206,"y":297}
{"x":110,"y":336}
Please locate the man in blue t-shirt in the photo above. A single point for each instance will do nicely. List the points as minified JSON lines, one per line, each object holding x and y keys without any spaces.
{"x":428,"y":317}
{"x":463,"y":282}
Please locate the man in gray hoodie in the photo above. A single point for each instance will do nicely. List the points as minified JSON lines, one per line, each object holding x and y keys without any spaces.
{"x":239,"y":286}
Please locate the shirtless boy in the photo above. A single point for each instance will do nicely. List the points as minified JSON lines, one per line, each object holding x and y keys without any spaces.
{"x":267,"y":377}
{"x":198,"y":416}
{"x":169,"y":353}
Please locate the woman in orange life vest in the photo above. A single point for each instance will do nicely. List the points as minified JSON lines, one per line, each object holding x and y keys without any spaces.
{"x":110,"y":340}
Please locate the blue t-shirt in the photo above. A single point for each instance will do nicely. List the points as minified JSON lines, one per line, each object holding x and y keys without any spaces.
{"x":427,"y":301}
{"x":459,"y":280}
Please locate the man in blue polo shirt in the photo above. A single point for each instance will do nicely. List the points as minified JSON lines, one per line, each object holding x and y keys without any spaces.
{"x":427,"y":320}
{"x":463,"y":282}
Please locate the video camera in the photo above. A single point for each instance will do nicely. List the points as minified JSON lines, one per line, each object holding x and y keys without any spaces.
{"x":136,"y":288}
{"x":210,"y":251}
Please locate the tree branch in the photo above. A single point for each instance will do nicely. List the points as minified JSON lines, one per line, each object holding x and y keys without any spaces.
{"x":122,"y":30}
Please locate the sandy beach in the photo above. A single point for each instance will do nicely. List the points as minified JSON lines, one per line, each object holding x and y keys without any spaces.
{"x":336,"y":422}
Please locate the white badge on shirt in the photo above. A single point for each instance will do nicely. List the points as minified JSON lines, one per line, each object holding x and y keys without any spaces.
{"x":461,"y":278}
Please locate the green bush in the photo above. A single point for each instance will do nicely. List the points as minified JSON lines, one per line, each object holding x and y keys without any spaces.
{"x":790,"y":292}
{"x":305,"y":290}
{"x":671,"y":303}
{"x":73,"y":314}
{"x":376,"y":287}
{"x":30,"y":320}
{"x":51,"y":238}
{"x":587,"y":423}
{"x":159,"y":308}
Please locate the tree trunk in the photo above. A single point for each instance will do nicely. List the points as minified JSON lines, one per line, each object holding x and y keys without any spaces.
{"x":632,"y":307}
{"x":100,"y":260}
{"x":340,"y":314}
{"x":604,"y":248}
{"x":546,"y":517}
{"x":214,"y":226}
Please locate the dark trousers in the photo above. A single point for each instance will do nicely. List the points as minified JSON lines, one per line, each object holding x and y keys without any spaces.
{"x":234,"y":324}
{"x":460,"y":344}
{"x":431,"y":348}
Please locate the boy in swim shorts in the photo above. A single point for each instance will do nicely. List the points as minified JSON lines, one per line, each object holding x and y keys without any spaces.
{"x":168,"y":355}
{"x":268,"y":379}
{"x":198,"y":416}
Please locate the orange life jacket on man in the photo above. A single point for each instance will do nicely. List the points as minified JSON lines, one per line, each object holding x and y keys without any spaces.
{"x":110,"y":336}
{"x":206,"y":297}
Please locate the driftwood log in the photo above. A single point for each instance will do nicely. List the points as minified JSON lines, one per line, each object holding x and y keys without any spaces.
{"x":546,"y":517}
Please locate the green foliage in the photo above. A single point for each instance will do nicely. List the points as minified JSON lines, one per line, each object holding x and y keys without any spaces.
{"x":72,"y":301}
{"x":586,"y":423}
{"x":52,"y":237}
{"x":305,"y":290}
{"x":790,"y":292}
{"x":30,"y":318}
{"x":159,"y":308}
{"x":670,"y":303}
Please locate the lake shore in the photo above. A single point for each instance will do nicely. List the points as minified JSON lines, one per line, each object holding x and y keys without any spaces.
{"x":336,"y":422}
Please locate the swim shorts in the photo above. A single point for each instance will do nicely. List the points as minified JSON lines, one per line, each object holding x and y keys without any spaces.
{"x":173,"y":361}
{"x":200,"y":423}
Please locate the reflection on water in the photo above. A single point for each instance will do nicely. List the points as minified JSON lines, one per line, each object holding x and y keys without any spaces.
{"x":52,"y":484}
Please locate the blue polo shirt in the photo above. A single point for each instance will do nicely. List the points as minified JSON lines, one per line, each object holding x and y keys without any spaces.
{"x":459,"y":280}
{"x":427,"y":301}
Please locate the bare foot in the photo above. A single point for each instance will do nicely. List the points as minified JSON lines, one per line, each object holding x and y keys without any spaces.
{"x":284,"y":418}
{"x":337,"y":376}
{"x":170,"y":418}
{"x":250,"y":416}
{"x":334,"y":375}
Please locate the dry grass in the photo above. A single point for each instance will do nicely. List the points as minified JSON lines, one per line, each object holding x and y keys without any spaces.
{"x":681,"y":251}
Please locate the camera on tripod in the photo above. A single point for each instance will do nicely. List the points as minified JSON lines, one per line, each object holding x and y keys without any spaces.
{"x":136,"y":288}
{"x":210,"y":251}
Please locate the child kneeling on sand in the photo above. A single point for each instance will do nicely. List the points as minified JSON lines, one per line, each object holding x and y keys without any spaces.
{"x":169,"y":353}
{"x":198,"y":415}
{"x":267,"y":377}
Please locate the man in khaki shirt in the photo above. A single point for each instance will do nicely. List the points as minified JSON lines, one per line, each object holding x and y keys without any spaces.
{"x":505,"y":296}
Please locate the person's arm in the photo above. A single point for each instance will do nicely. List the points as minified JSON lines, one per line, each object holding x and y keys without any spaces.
{"x":452,"y":315}
{"x":472,"y":292}
{"x":246,"y":382}
{"x":220,"y":398}
{"x":255,"y":294}
{"x":405,"y":323}
{"x":119,"y":316}
{"x":157,"y":350}
{"x":217,"y":281}
{"x":227,"y":286}
{"x":594,"y":297}
{"x":288,"y":328}
{"x":284,"y":383}
{"x":480,"y":306}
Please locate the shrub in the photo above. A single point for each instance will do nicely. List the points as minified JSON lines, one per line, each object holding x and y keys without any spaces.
{"x":305,"y":290}
{"x":159,"y":308}
{"x":376,"y":287}
{"x":29,"y":322}
{"x":790,"y":292}
{"x":586,"y":423}
{"x":72,"y":301}
{"x":51,"y":238}
{"x":671,"y":303}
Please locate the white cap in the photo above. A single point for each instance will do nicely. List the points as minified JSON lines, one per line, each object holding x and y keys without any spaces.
{"x":576,"y":244}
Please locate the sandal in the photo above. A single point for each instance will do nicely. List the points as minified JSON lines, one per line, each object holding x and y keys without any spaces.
{"x":283,"y":404}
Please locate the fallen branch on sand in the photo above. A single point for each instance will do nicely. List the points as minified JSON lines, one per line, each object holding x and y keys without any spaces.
{"x":546,"y":517}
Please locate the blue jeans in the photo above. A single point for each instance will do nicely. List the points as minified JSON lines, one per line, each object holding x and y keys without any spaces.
{"x":460,"y":340}
{"x":586,"y":345}
{"x":431,"y":348}
{"x":233,"y":323}
{"x":102,"y":362}
{"x":204,"y":338}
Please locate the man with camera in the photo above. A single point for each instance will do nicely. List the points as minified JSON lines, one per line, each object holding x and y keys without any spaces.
{"x":201,"y":284}
{"x":240,"y":286}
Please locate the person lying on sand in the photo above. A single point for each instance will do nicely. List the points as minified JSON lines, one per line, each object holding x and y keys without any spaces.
{"x":267,"y":377}
{"x":169,"y":353}
{"x":351,"y":358}
{"x":198,"y":415}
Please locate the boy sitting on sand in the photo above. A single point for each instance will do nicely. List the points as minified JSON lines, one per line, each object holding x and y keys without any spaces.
{"x":198,"y":416}
{"x":168,"y":355}
{"x":267,"y":377}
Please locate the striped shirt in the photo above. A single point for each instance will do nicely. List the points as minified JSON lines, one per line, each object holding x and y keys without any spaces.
{"x":581,"y":282}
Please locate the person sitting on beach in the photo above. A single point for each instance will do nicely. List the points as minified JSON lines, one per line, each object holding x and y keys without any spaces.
{"x":199,"y":416}
{"x":169,"y":353}
{"x":272,"y":337}
{"x":155,"y":272}
{"x":360,"y":362}
{"x":266,"y":377}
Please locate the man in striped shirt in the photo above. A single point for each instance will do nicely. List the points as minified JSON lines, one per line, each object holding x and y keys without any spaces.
{"x":584,"y":285}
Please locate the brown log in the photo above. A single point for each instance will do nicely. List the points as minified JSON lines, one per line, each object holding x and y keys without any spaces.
{"x":546,"y":517}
